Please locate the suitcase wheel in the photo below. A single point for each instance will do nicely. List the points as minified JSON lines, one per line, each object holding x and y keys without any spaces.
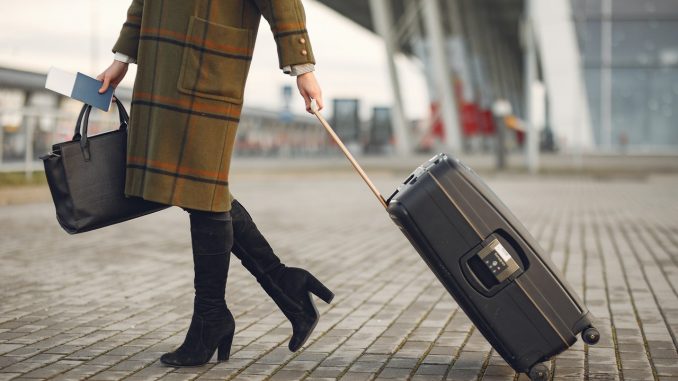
{"x":539,"y":372}
{"x":591,"y":336}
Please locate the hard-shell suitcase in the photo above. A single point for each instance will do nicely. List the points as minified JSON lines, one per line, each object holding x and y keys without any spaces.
{"x":488,"y":261}
{"x":491,"y":264}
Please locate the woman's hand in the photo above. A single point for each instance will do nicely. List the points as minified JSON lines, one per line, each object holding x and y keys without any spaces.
{"x":113,"y":75}
{"x":309,"y":89}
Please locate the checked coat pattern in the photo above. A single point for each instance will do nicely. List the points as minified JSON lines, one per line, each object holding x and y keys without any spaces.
{"x":193,"y":57}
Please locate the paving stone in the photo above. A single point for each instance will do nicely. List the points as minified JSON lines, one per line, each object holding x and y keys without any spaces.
{"x":51,"y":370}
{"x":438,"y":359}
{"x":432,"y":369}
{"x":152,"y":372}
{"x":350,"y":376}
{"x":22,"y":367}
{"x":463,"y":374}
{"x":285,"y":375}
{"x":327,"y":372}
{"x":494,"y":370}
{"x":105,"y":360}
{"x":80,"y":373}
{"x":365,"y":367}
{"x":5,"y":348}
{"x":260,"y":369}
{"x":9,"y":376}
{"x":178,"y":376}
{"x":300,"y":365}
{"x":395,"y":373}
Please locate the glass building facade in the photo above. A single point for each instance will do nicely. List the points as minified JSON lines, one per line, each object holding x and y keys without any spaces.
{"x":629,"y":53}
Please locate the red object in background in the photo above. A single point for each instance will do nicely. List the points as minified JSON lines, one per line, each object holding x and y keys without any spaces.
{"x":488,"y":123}
{"x":437,"y":129}
{"x":468,"y":111}
{"x":520,"y":137}
{"x":469,"y":119}
{"x":474,"y":121}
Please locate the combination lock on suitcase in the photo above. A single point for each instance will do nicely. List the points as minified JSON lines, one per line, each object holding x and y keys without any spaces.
{"x":487,"y":261}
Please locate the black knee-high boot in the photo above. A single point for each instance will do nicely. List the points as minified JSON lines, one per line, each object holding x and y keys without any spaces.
{"x":289,"y":287}
{"x":212,"y":325}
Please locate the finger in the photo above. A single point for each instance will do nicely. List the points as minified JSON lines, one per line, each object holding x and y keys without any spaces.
{"x":315,"y":94}
{"x":307,"y":100}
{"x":104,"y":87}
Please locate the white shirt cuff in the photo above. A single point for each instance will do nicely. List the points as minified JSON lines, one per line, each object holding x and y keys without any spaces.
{"x":296,"y":70}
{"x":123,"y":58}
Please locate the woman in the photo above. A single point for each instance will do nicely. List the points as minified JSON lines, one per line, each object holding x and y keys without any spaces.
{"x":193,"y":57}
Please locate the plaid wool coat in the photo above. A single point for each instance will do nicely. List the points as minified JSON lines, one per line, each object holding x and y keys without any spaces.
{"x":193,"y":57}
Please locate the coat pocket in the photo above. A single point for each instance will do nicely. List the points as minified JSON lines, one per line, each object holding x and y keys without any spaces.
{"x":216,"y":59}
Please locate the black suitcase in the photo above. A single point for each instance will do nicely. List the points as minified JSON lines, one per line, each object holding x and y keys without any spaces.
{"x":491,"y":264}
{"x":488,"y":262}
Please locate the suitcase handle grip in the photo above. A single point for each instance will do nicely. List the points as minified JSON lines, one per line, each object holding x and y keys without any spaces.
{"x":358,"y":168}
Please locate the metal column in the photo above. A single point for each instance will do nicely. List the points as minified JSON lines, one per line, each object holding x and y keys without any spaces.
{"x":382,"y":17}
{"x":465,"y":71}
{"x":442,"y":71}
{"x":28,"y":123}
{"x":606,"y":73}
{"x":530,"y":62}
{"x":2,"y":140}
{"x":480,"y":72}
{"x":485,"y":36}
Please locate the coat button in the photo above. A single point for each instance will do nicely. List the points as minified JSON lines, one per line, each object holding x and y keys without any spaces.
{"x":302,"y":40}
{"x":304,"y":52}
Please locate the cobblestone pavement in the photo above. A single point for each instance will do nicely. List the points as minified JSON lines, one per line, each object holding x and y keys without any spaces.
{"x":105,"y":305}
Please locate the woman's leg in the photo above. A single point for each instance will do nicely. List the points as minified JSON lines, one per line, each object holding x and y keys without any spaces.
{"x":289,"y":287}
{"x":212,"y":325}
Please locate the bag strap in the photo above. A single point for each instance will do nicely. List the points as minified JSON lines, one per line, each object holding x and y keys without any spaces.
{"x":122,"y":115}
{"x":83,"y":123}
{"x":349,"y":156}
{"x":76,"y":133}
{"x":122,"y":112}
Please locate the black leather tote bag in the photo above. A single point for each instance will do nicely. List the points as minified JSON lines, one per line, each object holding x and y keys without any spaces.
{"x":86,"y":177}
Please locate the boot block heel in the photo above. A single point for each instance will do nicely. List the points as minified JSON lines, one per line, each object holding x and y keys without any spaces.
{"x":224,"y":349}
{"x":319,"y":289}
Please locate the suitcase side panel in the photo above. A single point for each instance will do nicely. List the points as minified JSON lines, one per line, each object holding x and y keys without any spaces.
{"x":489,"y":214}
{"x":507,"y":320}
{"x":521,"y":322}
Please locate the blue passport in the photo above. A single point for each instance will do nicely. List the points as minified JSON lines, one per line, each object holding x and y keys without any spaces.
{"x":79,"y":86}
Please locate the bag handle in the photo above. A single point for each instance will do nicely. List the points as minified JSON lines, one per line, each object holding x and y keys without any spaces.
{"x":358,"y":168}
{"x":83,"y":123}
{"x":122,"y":115}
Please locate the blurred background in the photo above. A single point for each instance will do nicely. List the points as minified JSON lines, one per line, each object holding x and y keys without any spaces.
{"x":532,"y":85}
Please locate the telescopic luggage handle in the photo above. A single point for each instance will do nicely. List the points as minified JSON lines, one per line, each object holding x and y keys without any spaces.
{"x":358,"y":168}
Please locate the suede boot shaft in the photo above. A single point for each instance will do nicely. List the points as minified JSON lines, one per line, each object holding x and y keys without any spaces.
{"x":212,"y":324}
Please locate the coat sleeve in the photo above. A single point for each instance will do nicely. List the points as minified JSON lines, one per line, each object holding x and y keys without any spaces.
{"x":288,"y":24}
{"x":128,"y":41}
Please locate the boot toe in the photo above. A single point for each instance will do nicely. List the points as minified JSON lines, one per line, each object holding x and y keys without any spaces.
{"x":302,"y":329}
{"x":179,"y":360}
{"x":298,"y":341}
{"x":170,"y":359}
